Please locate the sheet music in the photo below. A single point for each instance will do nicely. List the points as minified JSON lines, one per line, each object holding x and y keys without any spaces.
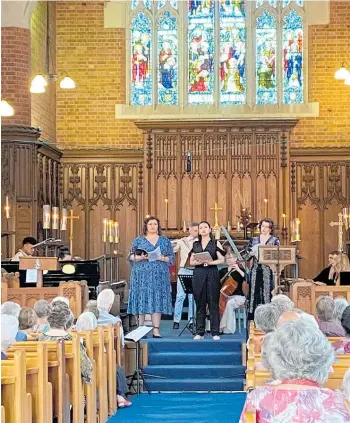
{"x":138,"y":333}
{"x":203,"y":256}
{"x":154,"y":255}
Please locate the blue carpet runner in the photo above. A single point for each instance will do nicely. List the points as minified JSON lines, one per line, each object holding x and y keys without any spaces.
{"x":182,"y":408}
{"x":181,"y":364}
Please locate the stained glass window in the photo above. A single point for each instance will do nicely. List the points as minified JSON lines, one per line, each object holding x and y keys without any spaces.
{"x":167,"y":60}
{"x":300,"y":3}
{"x":259,"y":3}
{"x":135,"y":3}
{"x":232,"y":52}
{"x":141,"y":64}
{"x":201,"y":72}
{"x":293,"y":59}
{"x":266,"y":45}
{"x":160,"y":3}
{"x":273,"y":3}
{"x":286,"y":3}
{"x":173,"y":3}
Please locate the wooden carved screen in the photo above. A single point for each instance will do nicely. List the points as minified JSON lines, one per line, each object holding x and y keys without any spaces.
{"x":98,"y":185}
{"x":234,"y":163}
{"x":320,"y":186}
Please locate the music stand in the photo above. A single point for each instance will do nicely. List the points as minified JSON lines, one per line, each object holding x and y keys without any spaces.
{"x":187,"y":286}
{"x":135,"y":336}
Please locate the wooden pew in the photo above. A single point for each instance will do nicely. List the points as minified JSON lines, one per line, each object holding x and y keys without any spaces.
{"x":57,"y":375}
{"x":108,"y":332}
{"x":3,"y":420}
{"x":101,"y":368}
{"x":16,"y":402}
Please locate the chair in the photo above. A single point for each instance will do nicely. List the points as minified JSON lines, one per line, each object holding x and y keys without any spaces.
{"x":241,"y":317}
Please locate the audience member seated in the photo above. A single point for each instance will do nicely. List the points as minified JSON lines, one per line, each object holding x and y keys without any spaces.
{"x":105,"y":302}
{"x":300,"y":356}
{"x":340,"y":305}
{"x":266,"y":316}
{"x":325,"y":311}
{"x":282,"y":302}
{"x":27,"y":320}
{"x":63,"y":299}
{"x":9,"y":329}
{"x":58,"y":319}
{"x":88,"y":321}
{"x":42,"y":309}
{"x":64,"y":254}
{"x":343,"y":347}
{"x":10,"y":308}
{"x":91,"y":305}
{"x":296,"y":314}
{"x":345,"y":389}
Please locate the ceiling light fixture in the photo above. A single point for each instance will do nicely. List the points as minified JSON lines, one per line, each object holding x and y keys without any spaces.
{"x":342,"y":72}
{"x":6,"y":110}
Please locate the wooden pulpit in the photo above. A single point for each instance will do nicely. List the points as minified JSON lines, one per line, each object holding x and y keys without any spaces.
{"x":39,"y":264}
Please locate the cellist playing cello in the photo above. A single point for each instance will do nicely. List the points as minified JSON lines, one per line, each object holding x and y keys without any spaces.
{"x":234,"y":288}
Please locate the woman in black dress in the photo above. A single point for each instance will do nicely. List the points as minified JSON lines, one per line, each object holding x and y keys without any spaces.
{"x":206,"y":281}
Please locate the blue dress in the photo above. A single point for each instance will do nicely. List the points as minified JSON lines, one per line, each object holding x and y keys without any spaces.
{"x":150,"y":288}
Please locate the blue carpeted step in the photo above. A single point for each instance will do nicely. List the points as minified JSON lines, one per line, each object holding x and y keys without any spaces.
{"x":180,"y":371}
{"x":204,"y":384}
{"x":188,"y":344}
{"x":195,"y":357}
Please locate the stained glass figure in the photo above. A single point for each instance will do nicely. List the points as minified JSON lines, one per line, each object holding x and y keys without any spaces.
{"x":259,"y":3}
{"x":167,"y":60}
{"x":141,"y":65}
{"x":293,"y":86}
{"x":266,"y":46}
{"x":201,"y":73}
{"x":232,"y":52}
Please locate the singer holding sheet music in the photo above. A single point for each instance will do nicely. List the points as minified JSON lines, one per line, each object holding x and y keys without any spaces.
{"x":150,"y":289}
{"x":206,"y":281}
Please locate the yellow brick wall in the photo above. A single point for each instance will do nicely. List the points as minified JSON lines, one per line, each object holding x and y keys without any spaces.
{"x":95,"y":58}
{"x":43,"y":106}
{"x":328,"y":48}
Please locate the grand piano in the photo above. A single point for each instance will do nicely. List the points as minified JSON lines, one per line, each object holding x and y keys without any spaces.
{"x":82,"y":270}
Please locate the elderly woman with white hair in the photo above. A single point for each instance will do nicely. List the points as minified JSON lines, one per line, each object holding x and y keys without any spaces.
{"x":325,"y":311}
{"x":266,"y":317}
{"x":300,"y":357}
{"x":283,"y":303}
{"x":9,"y":329}
{"x":105,"y":302}
{"x":42,"y":309}
{"x":13,"y":309}
{"x":340,"y":305}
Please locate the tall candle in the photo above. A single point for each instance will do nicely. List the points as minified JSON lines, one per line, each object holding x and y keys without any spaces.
{"x":284,"y":220}
{"x":228,"y":226}
{"x":46,"y":216}
{"x":166,"y":210}
{"x":266,"y":212}
{"x":7,"y":208}
{"x":297,"y":229}
{"x":116,"y":232}
{"x":111,"y":231}
{"x":104,"y":229}
{"x":184,"y":228}
{"x":64,"y":217}
{"x":55,"y":217}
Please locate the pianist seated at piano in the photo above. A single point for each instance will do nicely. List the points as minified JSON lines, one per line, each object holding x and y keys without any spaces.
{"x":64,"y":254}
{"x":233,"y":291}
{"x":26,"y":250}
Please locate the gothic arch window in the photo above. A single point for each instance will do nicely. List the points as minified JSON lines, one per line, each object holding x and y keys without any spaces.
{"x":214,"y":54}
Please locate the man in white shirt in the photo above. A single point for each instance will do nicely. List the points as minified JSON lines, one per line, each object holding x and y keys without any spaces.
{"x":27,"y":249}
{"x":184,"y":246}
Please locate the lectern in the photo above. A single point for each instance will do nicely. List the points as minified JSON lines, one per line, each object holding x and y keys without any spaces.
{"x":39,"y":264}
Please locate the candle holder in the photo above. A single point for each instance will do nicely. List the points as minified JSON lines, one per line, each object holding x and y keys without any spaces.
{"x":244,"y":220}
{"x":284,"y":234}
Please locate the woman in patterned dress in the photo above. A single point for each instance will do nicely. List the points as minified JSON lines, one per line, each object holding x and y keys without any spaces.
{"x":150,"y":289}
{"x":261,"y":281}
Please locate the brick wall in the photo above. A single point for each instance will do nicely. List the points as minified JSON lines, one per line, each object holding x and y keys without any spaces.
{"x":328,"y":48}
{"x":44,"y":105}
{"x":95,"y":58}
{"x":15,"y":73}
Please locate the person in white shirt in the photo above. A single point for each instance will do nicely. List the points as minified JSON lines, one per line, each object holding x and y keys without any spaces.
{"x":27,"y":249}
{"x":184,"y":246}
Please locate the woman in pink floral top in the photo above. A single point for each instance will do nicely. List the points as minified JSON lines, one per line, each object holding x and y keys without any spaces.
{"x":299,"y":356}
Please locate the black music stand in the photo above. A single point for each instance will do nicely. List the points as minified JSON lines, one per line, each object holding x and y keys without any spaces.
{"x":186,"y":282}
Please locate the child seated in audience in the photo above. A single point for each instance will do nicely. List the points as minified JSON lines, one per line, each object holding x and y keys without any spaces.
{"x":9,"y":329}
{"x":300,"y":357}
{"x":325,"y":311}
{"x":60,"y":321}
{"x":27,"y":320}
{"x":42,"y":309}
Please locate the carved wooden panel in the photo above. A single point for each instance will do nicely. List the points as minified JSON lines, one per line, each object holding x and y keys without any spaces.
{"x":98,"y":187}
{"x":320,"y":187}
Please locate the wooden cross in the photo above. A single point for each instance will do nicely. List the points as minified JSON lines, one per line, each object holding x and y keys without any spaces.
{"x":340,"y":231}
{"x":216,"y":209}
{"x":71,"y":217}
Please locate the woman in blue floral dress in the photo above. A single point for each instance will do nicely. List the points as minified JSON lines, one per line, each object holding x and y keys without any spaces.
{"x":150,"y":288}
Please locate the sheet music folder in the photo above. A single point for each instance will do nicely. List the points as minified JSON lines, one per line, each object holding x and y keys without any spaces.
{"x":138,"y":333}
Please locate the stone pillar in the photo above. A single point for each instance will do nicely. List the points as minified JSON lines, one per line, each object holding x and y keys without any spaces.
{"x":15,"y":55}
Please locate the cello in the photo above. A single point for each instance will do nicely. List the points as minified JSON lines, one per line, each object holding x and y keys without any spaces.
{"x":228,"y":287}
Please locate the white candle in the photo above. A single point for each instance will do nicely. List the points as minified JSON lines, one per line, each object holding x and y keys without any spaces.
{"x":55,"y":217}
{"x":46,"y":216}
{"x":7,"y":208}
{"x":266,"y":212}
{"x":284,"y":220}
{"x":184,"y":228}
{"x":116,"y":232}
{"x":104,"y":230}
{"x":111,"y":231}
{"x":228,"y":226}
{"x":64,"y":216}
{"x":297,"y":229}
{"x":166,"y":209}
